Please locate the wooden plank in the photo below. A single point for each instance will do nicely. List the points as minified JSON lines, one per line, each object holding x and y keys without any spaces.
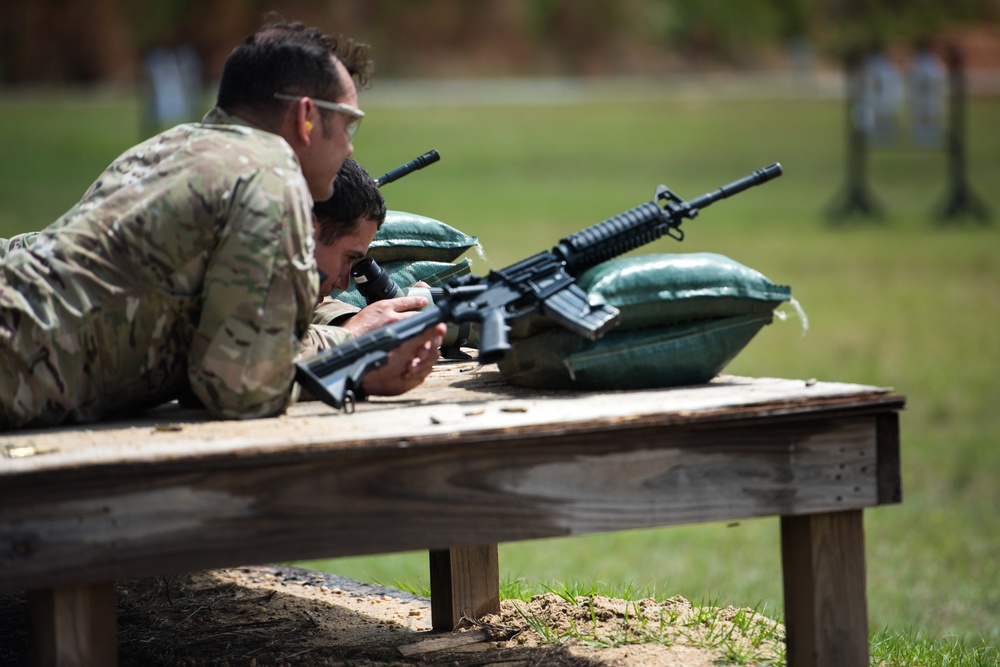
{"x":890,"y":480}
{"x":465,"y":581}
{"x":826,"y":611}
{"x":478,"y":408}
{"x":134,"y":520}
{"x":445,"y":643}
{"x":73,"y":626}
{"x":469,"y":464}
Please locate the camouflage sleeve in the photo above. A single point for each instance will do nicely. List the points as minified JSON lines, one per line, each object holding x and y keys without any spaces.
{"x":259,"y":290}
{"x":15,"y":242}
{"x":331,"y":311}
{"x":320,"y":337}
{"x":323,"y":331}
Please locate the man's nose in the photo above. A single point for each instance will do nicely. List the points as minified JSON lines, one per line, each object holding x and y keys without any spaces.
{"x":343,"y":280}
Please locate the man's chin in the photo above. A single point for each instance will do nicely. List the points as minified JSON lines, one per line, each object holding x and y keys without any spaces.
{"x":322,"y":195}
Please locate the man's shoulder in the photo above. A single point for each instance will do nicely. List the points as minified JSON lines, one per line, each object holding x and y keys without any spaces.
{"x":208,"y":156}
{"x":229,"y":130}
{"x":246,"y":146}
{"x":220,"y":142}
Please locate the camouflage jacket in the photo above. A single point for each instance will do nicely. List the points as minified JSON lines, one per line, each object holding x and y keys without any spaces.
{"x":323,"y":332}
{"x":15,"y":242}
{"x":188,"y":263}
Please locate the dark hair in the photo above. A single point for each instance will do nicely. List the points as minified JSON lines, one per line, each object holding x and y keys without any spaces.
{"x":355,"y":198}
{"x":289,"y":58}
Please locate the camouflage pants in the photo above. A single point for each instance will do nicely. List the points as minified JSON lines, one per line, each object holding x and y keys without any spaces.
{"x":28,"y":383}
{"x":44,"y":384}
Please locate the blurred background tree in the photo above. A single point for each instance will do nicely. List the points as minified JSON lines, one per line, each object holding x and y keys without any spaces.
{"x":106,"y":41}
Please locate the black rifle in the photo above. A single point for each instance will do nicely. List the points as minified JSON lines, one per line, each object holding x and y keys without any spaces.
{"x":374,"y":284}
{"x":419,"y":162}
{"x":542,"y":283}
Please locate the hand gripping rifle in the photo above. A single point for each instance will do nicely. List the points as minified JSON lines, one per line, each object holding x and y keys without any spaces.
{"x":542,"y":283}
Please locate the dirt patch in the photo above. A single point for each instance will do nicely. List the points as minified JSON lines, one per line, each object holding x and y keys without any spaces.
{"x":256,"y":616}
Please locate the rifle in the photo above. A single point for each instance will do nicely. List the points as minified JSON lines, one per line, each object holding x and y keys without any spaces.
{"x":374,"y":284}
{"x":419,"y":162}
{"x":542,"y":283}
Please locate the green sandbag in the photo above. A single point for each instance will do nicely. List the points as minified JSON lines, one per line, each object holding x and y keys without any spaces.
{"x":661,"y":356}
{"x":684,"y":317}
{"x":411,"y":238}
{"x":664,"y":289}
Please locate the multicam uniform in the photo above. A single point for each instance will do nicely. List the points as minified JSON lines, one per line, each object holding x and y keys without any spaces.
{"x":15,"y":242}
{"x":188,"y":263}
{"x":324,"y":331}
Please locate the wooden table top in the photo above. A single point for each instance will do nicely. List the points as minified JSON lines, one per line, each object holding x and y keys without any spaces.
{"x":459,"y":401}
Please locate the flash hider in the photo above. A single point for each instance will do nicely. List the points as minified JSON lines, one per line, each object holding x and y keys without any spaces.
{"x":420,"y":162}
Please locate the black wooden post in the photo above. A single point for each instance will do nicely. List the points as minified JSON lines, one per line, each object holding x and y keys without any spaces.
{"x":959,"y":201}
{"x":855,"y":198}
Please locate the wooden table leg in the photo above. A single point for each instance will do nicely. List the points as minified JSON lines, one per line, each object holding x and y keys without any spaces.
{"x":464,"y":580}
{"x":73,"y":626}
{"x":826,"y":605}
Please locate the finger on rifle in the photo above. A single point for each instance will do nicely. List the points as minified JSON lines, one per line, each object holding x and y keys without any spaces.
{"x":404,"y":304}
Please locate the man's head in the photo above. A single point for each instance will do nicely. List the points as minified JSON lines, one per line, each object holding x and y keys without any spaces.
{"x":284,"y":78}
{"x":345,"y":224}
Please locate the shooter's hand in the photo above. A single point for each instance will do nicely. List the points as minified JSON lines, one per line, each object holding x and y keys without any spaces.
{"x":408,"y":365}
{"x":384,"y":312}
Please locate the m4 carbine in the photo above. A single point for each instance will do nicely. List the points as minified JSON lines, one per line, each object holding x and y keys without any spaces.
{"x":544,"y":283}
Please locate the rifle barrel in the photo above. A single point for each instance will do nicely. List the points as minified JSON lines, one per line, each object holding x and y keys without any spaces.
{"x":644,"y":223}
{"x":758,"y":177}
{"x":421,"y":161}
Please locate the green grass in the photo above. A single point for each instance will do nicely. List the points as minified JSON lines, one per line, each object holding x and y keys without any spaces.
{"x":739,"y":637}
{"x":904,"y":303}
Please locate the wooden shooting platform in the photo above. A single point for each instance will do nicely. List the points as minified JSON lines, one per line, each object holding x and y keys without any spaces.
{"x":456,"y":467}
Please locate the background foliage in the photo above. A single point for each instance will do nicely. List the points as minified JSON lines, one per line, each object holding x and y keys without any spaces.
{"x":57,"y":41}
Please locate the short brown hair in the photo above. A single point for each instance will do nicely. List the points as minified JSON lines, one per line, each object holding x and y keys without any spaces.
{"x":356,"y":197}
{"x":289,"y":58}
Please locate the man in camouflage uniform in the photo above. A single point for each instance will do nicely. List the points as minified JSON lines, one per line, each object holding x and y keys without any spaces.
{"x":189,"y":263}
{"x":345,"y":226}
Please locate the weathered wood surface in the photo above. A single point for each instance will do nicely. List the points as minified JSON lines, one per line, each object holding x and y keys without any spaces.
{"x":481,"y":465}
{"x":465,"y":582}
{"x":459,"y":402}
{"x":74,"y":625}
{"x":826,"y":603}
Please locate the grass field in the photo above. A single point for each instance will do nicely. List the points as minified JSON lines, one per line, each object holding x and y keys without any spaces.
{"x":904,"y":302}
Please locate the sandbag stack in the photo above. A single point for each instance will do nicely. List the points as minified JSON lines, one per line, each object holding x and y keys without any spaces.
{"x":684,"y":317}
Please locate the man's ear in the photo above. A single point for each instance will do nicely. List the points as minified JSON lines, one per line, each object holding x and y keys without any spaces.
{"x":302,"y":126}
